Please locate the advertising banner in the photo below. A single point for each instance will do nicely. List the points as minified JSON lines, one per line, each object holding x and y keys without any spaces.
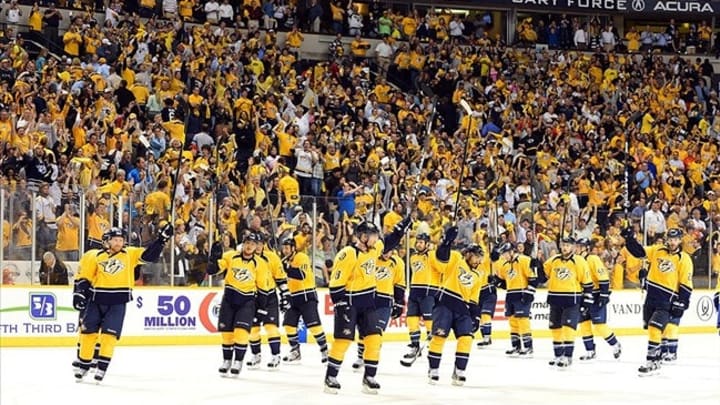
{"x":697,"y":7}
{"x":43,"y":316}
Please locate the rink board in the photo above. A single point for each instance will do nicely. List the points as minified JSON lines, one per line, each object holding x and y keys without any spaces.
{"x":43,"y":316}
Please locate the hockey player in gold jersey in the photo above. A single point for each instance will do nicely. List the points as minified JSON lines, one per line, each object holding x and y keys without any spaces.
{"x":668,"y":282}
{"x":457,"y":307}
{"x":569,"y":294}
{"x":517,"y":273}
{"x":594,"y":321}
{"x":353,"y":285}
{"x":102,"y":290}
{"x":389,"y":297}
{"x":303,"y":301}
{"x":424,"y":283}
{"x":245,"y":280}
{"x":270,"y":317}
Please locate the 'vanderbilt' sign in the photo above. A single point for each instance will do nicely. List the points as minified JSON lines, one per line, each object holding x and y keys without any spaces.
{"x":625,"y":6}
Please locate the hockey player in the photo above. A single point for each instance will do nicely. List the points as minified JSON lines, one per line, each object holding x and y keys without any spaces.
{"x":668,"y":282}
{"x":245,"y":276}
{"x":488,"y":297}
{"x":352,"y":290}
{"x":593,"y":321}
{"x":569,"y":294}
{"x":457,"y":307}
{"x":424,"y":284}
{"x":518,"y":274}
{"x":102,"y":289}
{"x":303,"y":301}
{"x":277,"y":280}
{"x":389,"y":297}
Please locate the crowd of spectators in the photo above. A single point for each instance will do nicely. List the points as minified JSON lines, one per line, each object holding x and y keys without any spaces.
{"x":269,"y":141}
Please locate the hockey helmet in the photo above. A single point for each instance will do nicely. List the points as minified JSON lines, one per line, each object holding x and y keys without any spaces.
{"x":366,"y":227}
{"x":289,"y":242}
{"x":674,"y":233}
{"x":114,"y":232}
{"x":474,"y":249}
{"x":505,"y":247}
{"x":584,"y":242}
{"x":423,"y":236}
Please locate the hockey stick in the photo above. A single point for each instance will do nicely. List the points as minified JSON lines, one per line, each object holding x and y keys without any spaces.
{"x":471,"y":114}
{"x":426,"y":144}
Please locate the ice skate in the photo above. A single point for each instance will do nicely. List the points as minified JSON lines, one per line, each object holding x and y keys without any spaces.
{"x":514,"y":352}
{"x":458,"y":377}
{"x":651,"y":367}
{"x":224,"y":367}
{"x":370,"y":386}
{"x":433,"y":376}
{"x":293,"y":357}
{"x":235,"y":368}
{"x":589,"y":356}
{"x":80,"y":373}
{"x":526,"y":353}
{"x":254,"y":361}
{"x":99,"y":375}
{"x":669,"y":358}
{"x":553,"y":362}
{"x":274,"y":363}
{"x":358,"y":365}
{"x":563,"y":363}
{"x":617,"y":350}
{"x":332,"y":386}
{"x":485,"y":342}
{"x":409,"y":358}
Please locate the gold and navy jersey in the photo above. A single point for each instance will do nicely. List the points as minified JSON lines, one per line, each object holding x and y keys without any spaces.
{"x":353,"y":277}
{"x":568,"y":279}
{"x":390,"y":275}
{"x":519,"y":275}
{"x":669,"y":275}
{"x":598,"y":274}
{"x":424,"y":280}
{"x":112,"y":275}
{"x":301,"y":280}
{"x":243,"y":277}
{"x":277,"y":272}
{"x":460,"y":288}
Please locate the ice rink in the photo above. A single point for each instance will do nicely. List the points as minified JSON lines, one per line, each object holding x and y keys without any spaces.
{"x":187,"y":375}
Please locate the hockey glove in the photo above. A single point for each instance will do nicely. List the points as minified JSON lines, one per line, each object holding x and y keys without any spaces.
{"x":627,"y":232}
{"x":397,"y":310}
{"x":449,"y":236}
{"x":587,"y":302}
{"x":603,"y":299}
{"x":677,"y":309}
{"x":81,"y":291}
{"x":166,"y":232}
{"x":284,"y":301}
{"x":216,"y":251}
{"x":403,"y":225}
{"x":642,"y":275}
{"x":527,"y":297}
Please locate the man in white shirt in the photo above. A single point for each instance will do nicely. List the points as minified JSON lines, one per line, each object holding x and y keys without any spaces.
{"x":655,"y":220}
{"x":212,"y":10}
{"x":608,"y":39}
{"x":13,"y":13}
{"x":225,"y":12}
{"x":580,"y":39}
{"x":46,"y":220}
{"x":384,"y":53}
{"x":456,"y":28}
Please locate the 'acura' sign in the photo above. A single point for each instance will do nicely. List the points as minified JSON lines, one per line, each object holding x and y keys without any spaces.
{"x":625,"y":6}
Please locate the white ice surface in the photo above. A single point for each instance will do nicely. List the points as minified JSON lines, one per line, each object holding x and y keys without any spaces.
{"x":187,"y":375}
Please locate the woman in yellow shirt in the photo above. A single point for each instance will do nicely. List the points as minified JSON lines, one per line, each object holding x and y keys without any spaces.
{"x":35,"y":19}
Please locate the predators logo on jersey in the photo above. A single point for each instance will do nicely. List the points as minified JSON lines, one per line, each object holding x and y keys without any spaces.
{"x":112,"y":266}
{"x":416,"y":266}
{"x":665,"y":265}
{"x":511,"y":273}
{"x":368,"y":267}
{"x":562,"y":273}
{"x":465,"y":277}
{"x":242,"y":274}
{"x":382,"y":273}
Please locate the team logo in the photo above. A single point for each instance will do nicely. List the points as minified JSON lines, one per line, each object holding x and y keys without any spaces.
{"x":465,"y":278}
{"x":382,"y":273}
{"x":705,"y":308}
{"x":563,"y":273}
{"x":112,"y":266}
{"x":511,"y":273}
{"x":43,"y":306}
{"x":347,"y":332}
{"x":417,"y":266}
{"x":638,"y":5}
{"x":665,"y":265}
{"x":440,"y":332}
{"x":242,"y":274}
{"x":368,"y":267}
{"x":601,"y":271}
